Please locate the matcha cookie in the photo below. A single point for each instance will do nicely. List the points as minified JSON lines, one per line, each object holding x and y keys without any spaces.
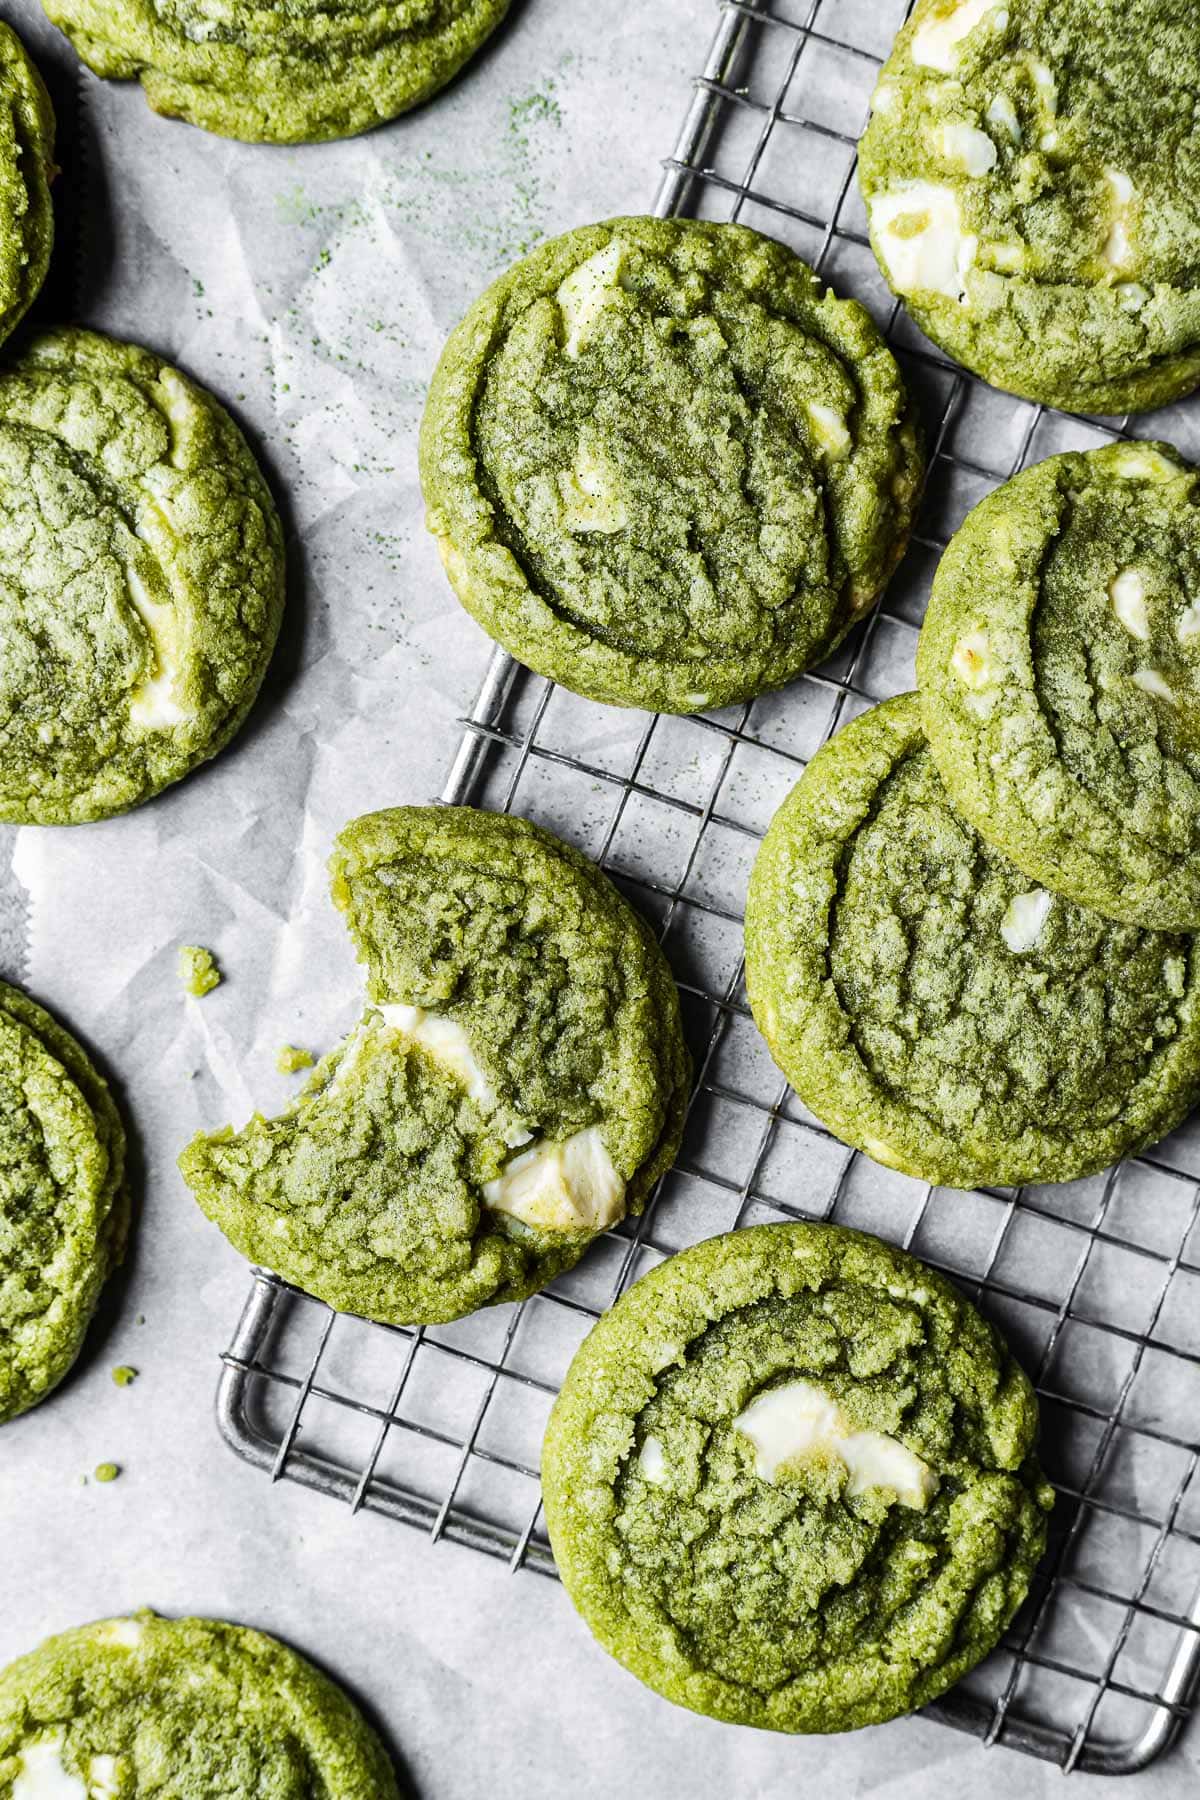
{"x":934,"y":1008}
{"x":280,"y":71}
{"x":665,"y":465}
{"x":790,"y":1480}
{"x":183,"y":1708}
{"x":64,"y":1208}
{"x":516,"y":1086}
{"x":26,"y":170}
{"x":1059,"y":668}
{"x":1032,"y":178}
{"x":141,"y":578}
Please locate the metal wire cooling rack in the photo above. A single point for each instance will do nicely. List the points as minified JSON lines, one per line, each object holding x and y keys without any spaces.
{"x":1096,"y":1283}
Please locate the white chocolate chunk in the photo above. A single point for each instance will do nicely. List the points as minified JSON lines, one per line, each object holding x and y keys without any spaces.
{"x":799,"y":1420}
{"x":180,"y":408}
{"x":1151,"y":682}
{"x":831,"y":430}
{"x":787,"y":1423}
{"x":1024,"y":916}
{"x":153,"y":702}
{"x":102,"y":1778}
{"x":127,"y":1633}
{"x":652,"y":1461}
{"x":921,"y":239}
{"x":1045,"y":86}
{"x":971,"y":148}
{"x":567,"y":1186}
{"x":1188,"y":625}
{"x":1141,"y":463}
{"x":1010,"y":258}
{"x":1127,"y":591}
{"x":449,"y":1045}
{"x":971,"y":660}
{"x":878,"y":1461}
{"x":586,"y":292}
{"x":1001,"y":115}
{"x":1117,"y":248}
{"x":42,"y":1776}
{"x":883,"y":99}
{"x":591,"y":491}
{"x":936,"y":41}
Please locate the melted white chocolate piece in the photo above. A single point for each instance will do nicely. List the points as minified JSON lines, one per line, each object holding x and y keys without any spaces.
{"x":154,"y":703}
{"x":586,"y":292}
{"x":42,"y":1776}
{"x":1024,"y":917}
{"x":568,"y":1185}
{"x":800,"y":1420}
{"x":1127,"y":591}
{"x":449,"y":1045}
{"x":936,"y":42}
{"x":921,"y":239}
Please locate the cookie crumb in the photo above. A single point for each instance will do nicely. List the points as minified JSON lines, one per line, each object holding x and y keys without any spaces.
{"x":198,"y":970}
{"x":290,"y":1059}
{"x":124,"y":1376}
{"x":106,"y":1471}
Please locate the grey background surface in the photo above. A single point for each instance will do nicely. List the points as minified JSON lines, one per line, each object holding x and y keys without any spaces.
{"x":312,"y":289}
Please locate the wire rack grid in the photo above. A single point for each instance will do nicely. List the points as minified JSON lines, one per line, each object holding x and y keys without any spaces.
{"x":1096,"y":1283}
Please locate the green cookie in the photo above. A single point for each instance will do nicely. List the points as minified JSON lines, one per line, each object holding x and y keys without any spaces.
{"x":187,"y":1709}
{"x":665,"y":465}
{"x":516,"y":1087}
{"x":1032,"y":178}
{"x":1059,"y":668}
{"x":280,"y":71}
{"x":26,"y":170}
{"x":934,"y":1009}
{"x":64,"y":1207}
{"x":141,"y":578}
{"x":790,"y":1480}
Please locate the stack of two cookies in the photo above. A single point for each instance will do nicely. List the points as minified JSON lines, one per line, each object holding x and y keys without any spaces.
{"x":969,"y":930}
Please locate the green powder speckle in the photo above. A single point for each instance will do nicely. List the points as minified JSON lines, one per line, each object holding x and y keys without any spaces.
{"x":198,"y":970}
{"x":124,"y":1376}
{"x":290,"y":1059}
{"x":107,"y":1471}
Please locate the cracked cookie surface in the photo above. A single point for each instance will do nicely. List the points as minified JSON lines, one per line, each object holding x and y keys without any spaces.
{"x":185,"y":1708}
{"x":515,"y":1087}
{"x":26,"y":170}
{"x":1059,"y":669}
{"x":64,"y":1207}
{"x":935,"y":1009}
{"x":665,"y":465}
{"x":141,"y":578}
{"x":1031,"y":172}
{"x":790,"y":1480}
{"x":280,"y":71}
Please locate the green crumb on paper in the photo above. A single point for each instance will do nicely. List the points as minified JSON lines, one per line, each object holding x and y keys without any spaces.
{"x":290,"y":1059}
{"x":107,"y":1471}
{"x":124,"y":1376}
{"x":198,"y":970}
